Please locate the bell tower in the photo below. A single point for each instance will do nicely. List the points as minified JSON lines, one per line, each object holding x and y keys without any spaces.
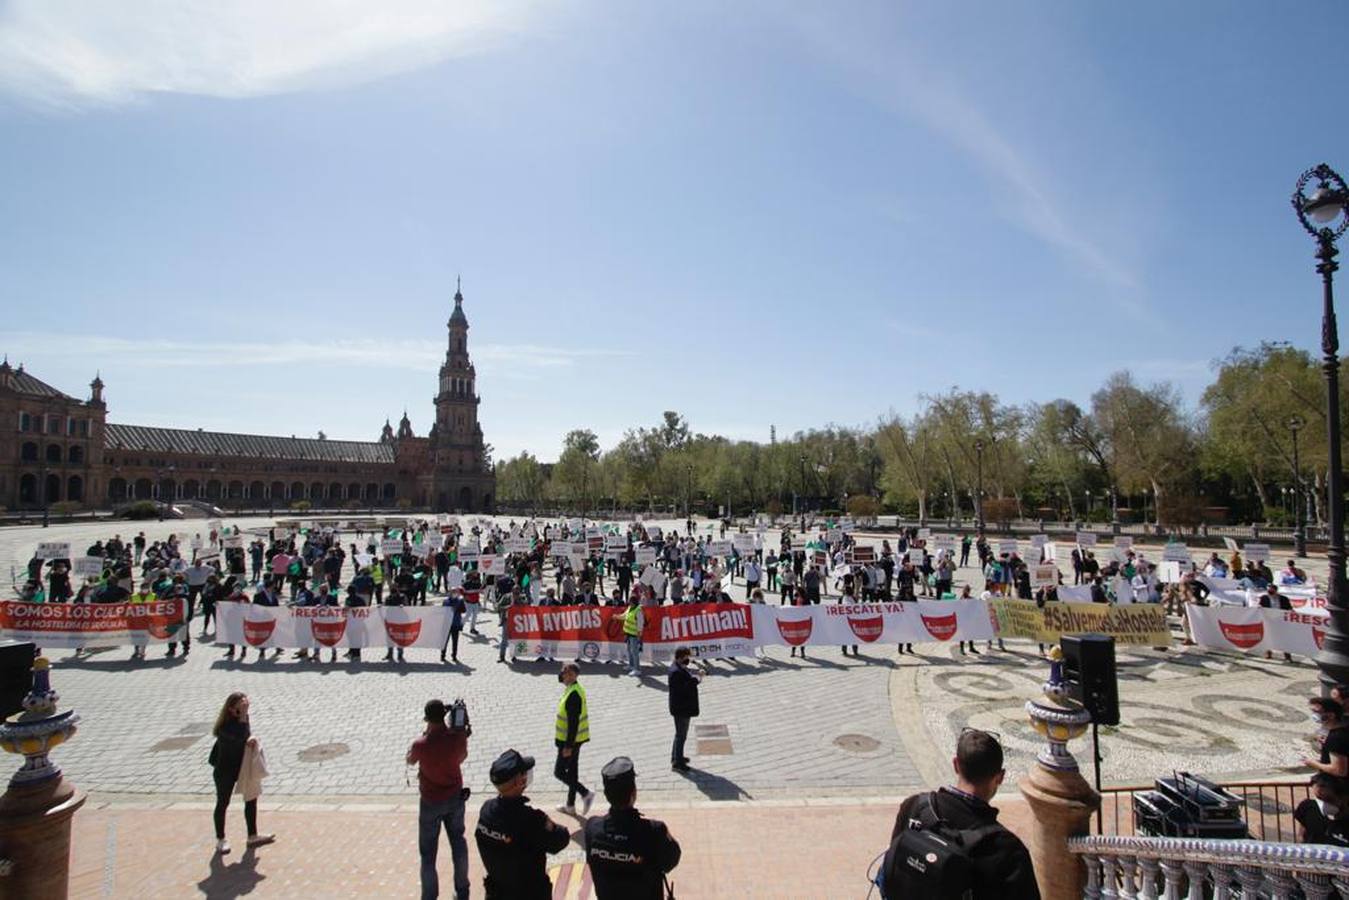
{"x":463,"y":479}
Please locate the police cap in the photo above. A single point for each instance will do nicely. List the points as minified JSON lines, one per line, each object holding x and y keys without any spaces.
{"x":618,"y":771}
{"x":508,"y":765}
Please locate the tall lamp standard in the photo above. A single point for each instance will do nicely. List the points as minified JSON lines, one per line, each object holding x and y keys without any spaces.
{"x":1324,"y":216}
{"x":46,"y":497}
{"x":803,"y":483}
{"x":979,"y":486}
{"x":688,"y":490}
{"x":1299,"y":521}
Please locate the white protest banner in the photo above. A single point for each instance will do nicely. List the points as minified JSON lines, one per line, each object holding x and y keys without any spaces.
{"x":1230,"y":544}
{"x":85,"y":566}
{"x":70,"y":625}
{"x":717,"y":548}
{"x":654,"y":532}
{"x":646,"y":556}
{"x":1086,"y":539}
{"x":594,"y":531}
{"x":924,"y":533}
{"x":1123,"y":542}
{"x":364,"y":559}
{"x":310,"y":627}
{"x":421,"y":551}
{"x":518,"y":545}
{"x":1256,"y":552}
{"x":232,"y":541}
{"x":1175,"y":552}
{"x":391,"y":547}
{"x":945,"y":542}
{"x":1039,"y":540}
{"x":743,"y":543}
{"x":833,"y":536}
{"x":306,"y":526}
{"x":53,"y":550}
{"x":846,"y":524}
{"x":926,"y":621}
{"x":1044,"y":576}
{"x":491,"y":565}
{"x":1255,"y":629}
{"x":1006,"y":546}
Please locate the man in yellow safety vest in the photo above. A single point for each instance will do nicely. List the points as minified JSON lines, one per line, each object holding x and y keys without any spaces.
{"x":633,"y":621}
{"x":571,"y":731}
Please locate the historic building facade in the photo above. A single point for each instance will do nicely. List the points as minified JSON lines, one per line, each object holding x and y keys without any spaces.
{"x":56,"y":448}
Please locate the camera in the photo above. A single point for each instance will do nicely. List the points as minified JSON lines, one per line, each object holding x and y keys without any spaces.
{"x":456,"y":715}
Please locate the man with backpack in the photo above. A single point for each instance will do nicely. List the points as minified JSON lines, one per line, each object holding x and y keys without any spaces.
{"x":948,"y":843}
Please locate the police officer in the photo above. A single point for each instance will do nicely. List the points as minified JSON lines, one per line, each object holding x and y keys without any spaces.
{"x":513,"y":837}
{"x":628,"y":854}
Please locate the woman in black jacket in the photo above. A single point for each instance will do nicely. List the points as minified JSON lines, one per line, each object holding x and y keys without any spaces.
{"x":232,"y":737}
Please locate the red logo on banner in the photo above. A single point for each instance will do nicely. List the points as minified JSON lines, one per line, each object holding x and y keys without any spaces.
{"x":943,"y":628}
{"x":795,"y":633}
{"x":404,"y":634}
{"x":867,"y":628}
{"x":162,"y":630}
{"x":328,"y":631}
{"x":613,"y":629}
{"x":257,"y":631}
{"x":1319,"y":635}
{"x":1243,"y":636}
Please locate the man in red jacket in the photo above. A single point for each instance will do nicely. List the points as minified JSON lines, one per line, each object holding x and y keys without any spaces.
{"x":438,"y":753}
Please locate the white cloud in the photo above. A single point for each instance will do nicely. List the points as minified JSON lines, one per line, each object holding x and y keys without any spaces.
{"x":519,"y":360}
{"x":67,"y":53}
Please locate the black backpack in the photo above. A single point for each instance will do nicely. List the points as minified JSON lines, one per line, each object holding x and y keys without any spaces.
{"x":931,"y":858}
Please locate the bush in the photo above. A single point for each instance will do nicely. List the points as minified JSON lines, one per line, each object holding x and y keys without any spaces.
{"x":66,"y":508}
{"x":142,"y":509}
{"x":863,"y":507}
{"x":301,"y":506}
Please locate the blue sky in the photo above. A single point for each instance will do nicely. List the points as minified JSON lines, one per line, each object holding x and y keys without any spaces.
{"x":250,"y":216}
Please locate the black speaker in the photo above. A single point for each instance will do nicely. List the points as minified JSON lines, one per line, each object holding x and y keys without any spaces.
{"x":1089,"y":671}
{"x":16,"y":675}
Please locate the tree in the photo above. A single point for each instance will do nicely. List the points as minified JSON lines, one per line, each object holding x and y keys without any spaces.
{"x":575,"y":474}
{"x":1150,"y":443}
{"x":521,"y":480}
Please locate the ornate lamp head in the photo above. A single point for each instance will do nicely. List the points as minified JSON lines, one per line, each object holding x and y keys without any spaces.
{"x":35,"y":731}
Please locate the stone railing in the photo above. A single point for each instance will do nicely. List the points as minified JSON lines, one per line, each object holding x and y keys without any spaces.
{"x":1175,"y":868}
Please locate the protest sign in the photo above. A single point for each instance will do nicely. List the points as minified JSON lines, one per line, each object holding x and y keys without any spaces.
{"x":85,"y":566}
{"x":743,"y":543}
{"x":232,"y":541}
{"x":924,"y":621}
{"x":717,"y":548}
{"x":863,"y":554}
{"x":646,"y":556}
{"x":1039,"y":540}
{"x":53,"y":550}
{"x":1086,"y":539}
{"x":1230,"y":544}
{"x":310,"y":627}
{"x":70,"y":625}
{"x":1123,"y":542}
{"x":391,"y":547}
{"x":1175,"y":552}
{"x":518,"y":545}
{"x":1006,"y":546}
{"x":490,"y":564}
{"x":1256,"y":552}
{"x":1044,"y":576}
{"x":833,"y":536}
{"x":654,"y":532}
{"x":1143,"y":624}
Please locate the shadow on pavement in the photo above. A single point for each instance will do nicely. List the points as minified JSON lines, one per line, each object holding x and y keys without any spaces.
{"x":232,"y":879}
{"x":716,"y":787}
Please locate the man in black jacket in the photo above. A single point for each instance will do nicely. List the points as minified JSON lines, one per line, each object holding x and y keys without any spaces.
{"x":683,"y":695}
{"x":628,"y":854}
{"x":1002,"y":865}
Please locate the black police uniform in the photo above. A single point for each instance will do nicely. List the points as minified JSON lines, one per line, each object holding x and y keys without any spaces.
{"x":514,"y":840}
{"x":629,"y":854}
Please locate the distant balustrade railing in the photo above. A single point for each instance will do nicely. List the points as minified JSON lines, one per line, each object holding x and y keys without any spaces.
{"x":1124,"y":868}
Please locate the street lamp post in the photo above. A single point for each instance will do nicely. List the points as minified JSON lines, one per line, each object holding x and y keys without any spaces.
{"x":46,"y":497}
{"x":1299,"y":520}
{"x":979,"y":486}
{"x":688,"y":491}
{"x":1324,"y":216}
{"x":159,"y":491}
{"x":803,"y":483}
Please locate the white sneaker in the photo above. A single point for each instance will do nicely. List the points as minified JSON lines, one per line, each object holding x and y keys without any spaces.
{"x":569,"y":810}
{"x":257,"y":840}
{"x":222,"y":846}
{"x":634,"y":672}
{"x":586,"y":801}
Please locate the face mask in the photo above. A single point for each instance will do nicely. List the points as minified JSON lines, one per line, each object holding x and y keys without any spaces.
{"x":529,"y":778}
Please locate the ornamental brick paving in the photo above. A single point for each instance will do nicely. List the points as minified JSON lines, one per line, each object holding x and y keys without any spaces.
{"x":796,"y":734}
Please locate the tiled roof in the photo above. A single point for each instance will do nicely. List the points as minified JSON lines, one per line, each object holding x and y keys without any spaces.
{"x":27,"y":384}
{"x":217,"y":443}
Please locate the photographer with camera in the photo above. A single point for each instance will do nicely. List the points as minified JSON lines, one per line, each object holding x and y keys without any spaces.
{"x":438,"y":754}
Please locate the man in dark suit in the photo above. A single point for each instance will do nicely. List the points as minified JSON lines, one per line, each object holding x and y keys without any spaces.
{"x":683,"y":694}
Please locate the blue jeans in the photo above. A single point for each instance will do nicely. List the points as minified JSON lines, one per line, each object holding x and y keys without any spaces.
{"x":432,"y":815}
{"x":634,"y":651}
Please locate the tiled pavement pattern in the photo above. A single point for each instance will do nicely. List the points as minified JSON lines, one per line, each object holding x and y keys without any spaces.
{"x":759,"y":851}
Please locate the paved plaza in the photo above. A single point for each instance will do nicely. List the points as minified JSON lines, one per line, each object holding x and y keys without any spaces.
{"x":782,"y":735}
